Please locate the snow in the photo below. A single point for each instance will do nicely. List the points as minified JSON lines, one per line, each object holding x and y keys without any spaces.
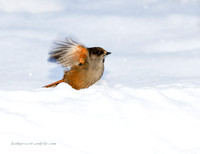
{"x":148,"y":100}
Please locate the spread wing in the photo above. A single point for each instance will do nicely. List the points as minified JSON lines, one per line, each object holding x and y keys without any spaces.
{"x":69,"y":53}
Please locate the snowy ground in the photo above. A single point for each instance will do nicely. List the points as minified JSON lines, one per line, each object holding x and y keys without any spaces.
{"x":148,"y":101}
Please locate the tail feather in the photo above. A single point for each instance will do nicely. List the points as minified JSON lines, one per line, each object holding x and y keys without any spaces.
{"x":53,"y":84}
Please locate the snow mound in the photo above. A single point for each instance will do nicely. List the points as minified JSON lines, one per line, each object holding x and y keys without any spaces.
{"x":112,"y":120}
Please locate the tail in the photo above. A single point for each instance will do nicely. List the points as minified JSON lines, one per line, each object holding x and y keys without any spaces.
{"x":53,"y":84}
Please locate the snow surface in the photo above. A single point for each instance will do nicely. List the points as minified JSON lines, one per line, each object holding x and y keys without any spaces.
{"x":148,"y":101}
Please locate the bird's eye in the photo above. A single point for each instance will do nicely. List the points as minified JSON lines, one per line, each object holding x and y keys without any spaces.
{"x":80,"y":64}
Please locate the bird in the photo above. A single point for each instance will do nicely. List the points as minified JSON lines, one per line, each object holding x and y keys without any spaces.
{"x":84,"y":66}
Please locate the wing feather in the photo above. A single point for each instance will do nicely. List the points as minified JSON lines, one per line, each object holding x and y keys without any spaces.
{"x":69,"y":53}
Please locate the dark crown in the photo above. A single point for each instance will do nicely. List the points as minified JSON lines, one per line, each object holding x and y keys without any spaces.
{"x":96,"y":50}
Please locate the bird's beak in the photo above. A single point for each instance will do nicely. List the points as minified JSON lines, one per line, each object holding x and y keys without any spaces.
{"x":108,"y":53}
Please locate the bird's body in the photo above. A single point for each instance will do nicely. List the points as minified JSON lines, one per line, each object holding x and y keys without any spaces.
{"x":86,"y":65}
{"x":80,"y":77}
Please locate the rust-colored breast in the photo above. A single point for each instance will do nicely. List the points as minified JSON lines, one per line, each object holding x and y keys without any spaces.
{"x":76,"y":79}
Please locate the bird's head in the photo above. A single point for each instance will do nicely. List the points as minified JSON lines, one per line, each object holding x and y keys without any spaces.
{"x":97,"y":53}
